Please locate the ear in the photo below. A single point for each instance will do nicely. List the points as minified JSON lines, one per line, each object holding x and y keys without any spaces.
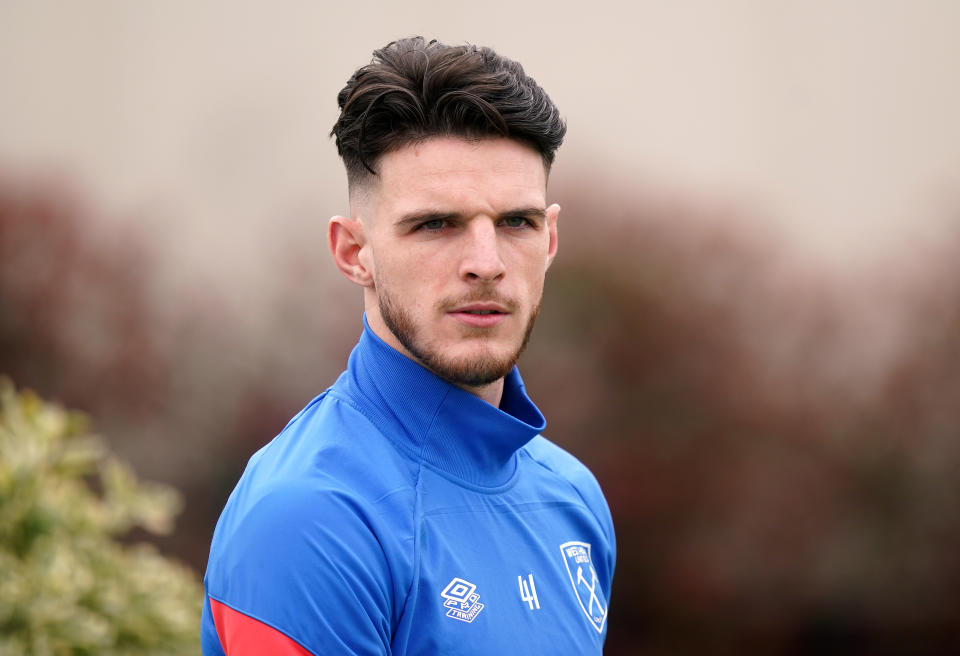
{"x":553,"y":214}
{"x":347,"y":242}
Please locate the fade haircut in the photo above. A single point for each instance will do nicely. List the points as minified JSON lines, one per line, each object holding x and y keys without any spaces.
{"x":414,"y":89}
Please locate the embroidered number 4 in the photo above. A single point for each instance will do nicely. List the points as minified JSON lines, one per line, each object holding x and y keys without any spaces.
{"x":528,"y":591}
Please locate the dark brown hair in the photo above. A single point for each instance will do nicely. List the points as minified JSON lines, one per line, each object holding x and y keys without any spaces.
{"x":414,"y":89}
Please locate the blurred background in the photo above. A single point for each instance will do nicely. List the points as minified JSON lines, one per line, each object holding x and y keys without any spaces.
{"x":751,"y":334}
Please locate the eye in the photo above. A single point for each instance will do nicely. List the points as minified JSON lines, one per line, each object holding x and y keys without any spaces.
{"x":433,"y":225}
{"x":517,"y":222}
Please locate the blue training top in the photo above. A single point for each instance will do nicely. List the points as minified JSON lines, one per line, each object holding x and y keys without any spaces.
{"x":399,"y":514}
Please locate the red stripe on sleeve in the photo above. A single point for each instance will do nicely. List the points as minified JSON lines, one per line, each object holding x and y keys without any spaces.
{"x":241,"y":635}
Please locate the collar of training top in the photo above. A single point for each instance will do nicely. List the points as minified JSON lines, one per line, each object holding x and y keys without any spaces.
{"x":440,"y":424}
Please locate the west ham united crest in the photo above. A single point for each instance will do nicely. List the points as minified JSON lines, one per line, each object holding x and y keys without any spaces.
{"x":583,"y":577}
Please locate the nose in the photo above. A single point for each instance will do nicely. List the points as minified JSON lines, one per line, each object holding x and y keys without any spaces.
{"x":480,"y":260}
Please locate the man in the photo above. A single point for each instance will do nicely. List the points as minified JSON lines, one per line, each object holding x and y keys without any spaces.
{"x":413,"y":507}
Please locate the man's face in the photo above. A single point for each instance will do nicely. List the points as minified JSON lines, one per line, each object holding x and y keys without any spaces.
{"x":459,"y":239}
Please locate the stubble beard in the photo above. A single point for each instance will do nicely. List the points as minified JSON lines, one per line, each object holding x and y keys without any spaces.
{"x":477,"y":371}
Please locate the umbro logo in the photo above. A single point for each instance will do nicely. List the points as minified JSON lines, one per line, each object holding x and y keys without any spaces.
{"x":461,"y":600}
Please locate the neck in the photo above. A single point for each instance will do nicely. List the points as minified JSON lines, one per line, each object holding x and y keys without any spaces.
{"x":453,"y":430}
{"x":491,"y":393}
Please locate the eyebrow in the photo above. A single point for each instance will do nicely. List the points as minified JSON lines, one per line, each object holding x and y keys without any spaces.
{"x":423,"y":216}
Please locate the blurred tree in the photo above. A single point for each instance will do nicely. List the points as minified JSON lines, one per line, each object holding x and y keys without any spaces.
{"x":69,"y":586}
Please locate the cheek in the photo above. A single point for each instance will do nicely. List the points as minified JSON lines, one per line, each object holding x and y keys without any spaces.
{"x":533,"y":269}
{"x":536,"y":289}
{"x":411,"y":280}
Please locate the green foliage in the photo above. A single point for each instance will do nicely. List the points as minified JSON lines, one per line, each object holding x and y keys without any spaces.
{"x":68,"y":586}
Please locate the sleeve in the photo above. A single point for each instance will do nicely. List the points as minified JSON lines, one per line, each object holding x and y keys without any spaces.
{"x":240,"y":635}
{"x":301,"y":571}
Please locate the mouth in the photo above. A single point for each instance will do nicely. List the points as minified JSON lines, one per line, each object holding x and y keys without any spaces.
{"x":480,"y":309}
{"x":481,"y":315}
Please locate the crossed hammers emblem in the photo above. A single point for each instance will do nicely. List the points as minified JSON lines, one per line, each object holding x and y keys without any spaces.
{"x":592,"y":587}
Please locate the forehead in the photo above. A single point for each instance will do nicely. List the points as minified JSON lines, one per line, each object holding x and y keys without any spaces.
{"x":453,"y":174}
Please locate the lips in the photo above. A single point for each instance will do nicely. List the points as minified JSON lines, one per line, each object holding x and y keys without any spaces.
{"x":480,"y":315}
{"x":482,"y":309}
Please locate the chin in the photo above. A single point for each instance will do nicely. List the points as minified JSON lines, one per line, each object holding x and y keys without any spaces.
{"x":474,"y":358}
{"x":472,"y":367}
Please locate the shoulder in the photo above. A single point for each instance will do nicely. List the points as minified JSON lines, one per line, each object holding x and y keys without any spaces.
{"x":311,"y":487}
{"x":322,"y":564}
{"x":318,"y":470}
{"x":566,"y":466}
{"x":295,"y":533}
{"x":330,"y":446}
{"x":309,"y":529}
{"x":298,"y":512}
{"x":562,"y":463}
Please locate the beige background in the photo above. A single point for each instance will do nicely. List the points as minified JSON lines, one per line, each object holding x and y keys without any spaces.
{"x":837,"y":119}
